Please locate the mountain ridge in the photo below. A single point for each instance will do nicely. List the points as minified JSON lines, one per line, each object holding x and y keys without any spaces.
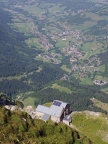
{"x":23,"y":129}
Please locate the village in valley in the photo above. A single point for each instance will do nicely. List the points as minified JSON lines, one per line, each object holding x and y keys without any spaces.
{"x":57,"y":39}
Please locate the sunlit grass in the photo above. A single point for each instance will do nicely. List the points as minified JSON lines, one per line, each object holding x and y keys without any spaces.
{"x":61,"y":88}
{"x":28,"y":101}
{"x":65,"y":68}
{"x":93,"y":125}
{"x":100,"y":104}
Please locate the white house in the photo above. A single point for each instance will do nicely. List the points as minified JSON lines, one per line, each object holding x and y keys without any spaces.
{"x":56,"y":112}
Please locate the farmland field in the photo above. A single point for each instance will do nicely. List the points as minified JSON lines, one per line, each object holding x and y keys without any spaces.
{"x":28,"y":101}
{"x":33,"y":42}
{"x":61,"y":88}
{"x":86,"y":81}
{"x":65,"y":68}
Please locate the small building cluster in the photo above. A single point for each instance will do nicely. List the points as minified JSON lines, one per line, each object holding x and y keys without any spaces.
{"x":58,"y":111}
{"x":101,"y":83}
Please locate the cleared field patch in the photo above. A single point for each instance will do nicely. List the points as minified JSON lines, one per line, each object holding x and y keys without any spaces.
{"x":102,"y":68}
{"x":100,"y":104}
{"x":63,"y":67}
{"x":91,"y":48}
{"x":39,"y":57}
{"x":99,"y":77}
{"x":29,"y":101}
{"x":93,"y":125}
{"x":13,"y":77}
{"x":61,"y":88}
{"x":34,"y":9}
{"x":33,"y":42}
{"x":23,"y":27}
{"x":50,"y":28}
{"x":93,"y":16}
{"x":105,"y":90}
{"x":16,"y":20}
{"x":62,"y":43}
{"x":55,"y":9}
{"x":84,"y":26}
{"x":85,"y":56}
{"x":86,"y":81}
{"x":39,"y":69}
{"x":88,"y":46}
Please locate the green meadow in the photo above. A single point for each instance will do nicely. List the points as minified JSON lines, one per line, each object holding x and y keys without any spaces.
{"x":61,"y":88}
{"x":102,"y":68}
{"x":34,"y":9}
{"x":33,"y":42}
{"x":29,"y":101}
{"x":94,"y":17}
{"x":84,"y":26}
{"x":100,"y":104}
{"x":56,"y":8}
{"x":63,"y":67}
{"x":91,"y":48}
{"x":93,"y":125}
{"x":22,"y":27}
{"x":86,"y":81}
{"x":105,"y":90}
{"x":62,"y":43}
{"x":13,"y":77}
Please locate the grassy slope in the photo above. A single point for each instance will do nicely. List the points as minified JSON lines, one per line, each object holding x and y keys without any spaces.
{"x":28,"y":101}
{"x":33,"y":42}
{"x":63,"y":67}
{"x":61,"y":88}
{"x":105,"y":90}
{"x":100,"y":104}
{"x":86,"y":81}
{"x":18,"y":127}
{"x":93,"y":125}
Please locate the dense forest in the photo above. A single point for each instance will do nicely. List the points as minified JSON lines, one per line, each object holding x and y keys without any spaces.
{"x":15,"y":56}
{"x":18,"y":128}
{"x":12,"y":87}
{"x":98,"y":29}
{"x":79,"y":98}
{"x":47,"y":75}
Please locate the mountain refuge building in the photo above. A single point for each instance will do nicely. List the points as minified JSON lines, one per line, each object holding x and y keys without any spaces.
{"x":58,"y":111}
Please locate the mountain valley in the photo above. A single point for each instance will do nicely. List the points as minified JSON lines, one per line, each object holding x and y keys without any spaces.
{"x":55,"y":50}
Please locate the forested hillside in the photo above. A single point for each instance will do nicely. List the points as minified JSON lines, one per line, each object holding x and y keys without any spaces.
{"x":15,"y":57}
{"x":79,"y":96}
